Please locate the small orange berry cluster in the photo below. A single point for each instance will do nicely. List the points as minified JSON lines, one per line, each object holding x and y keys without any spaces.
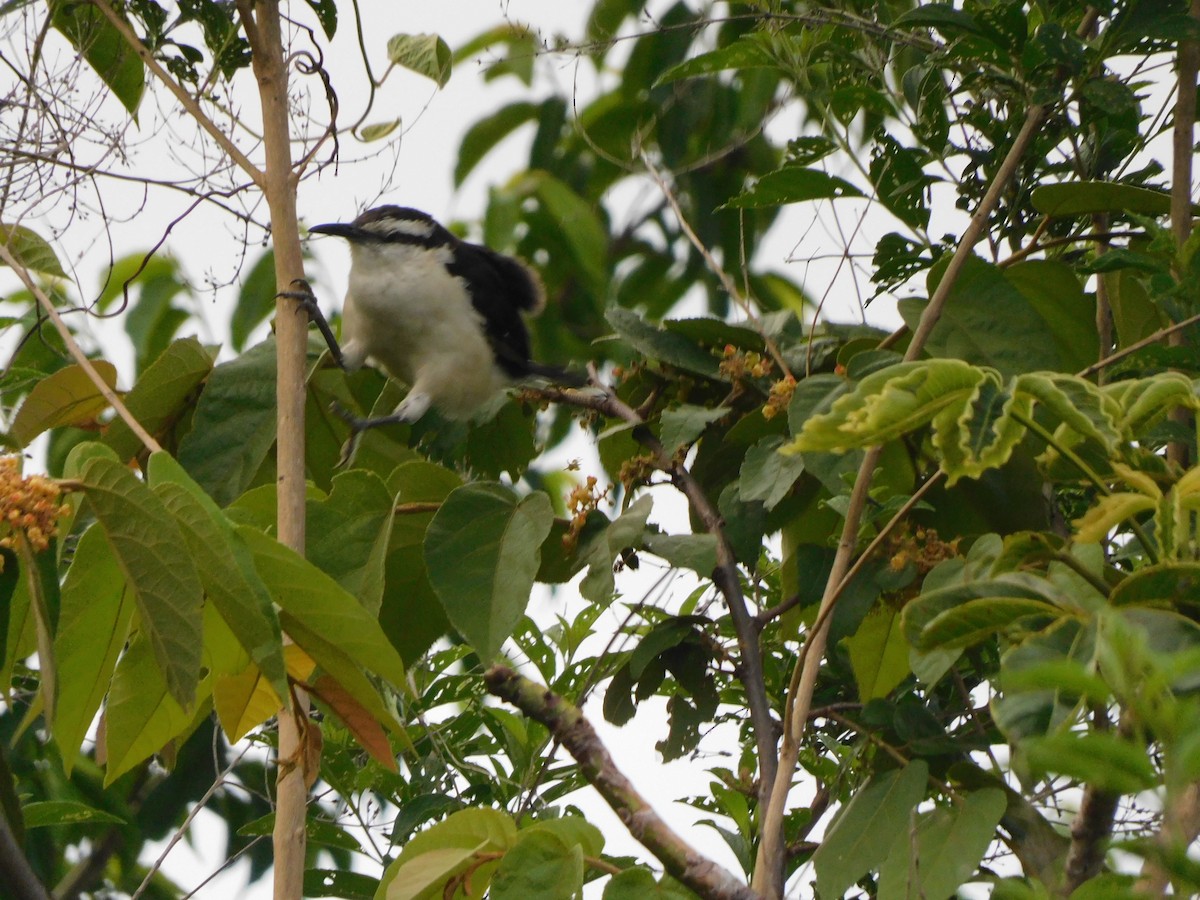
{"x":779,"y":397}
{"x":580,"y":502}
{"x":736,"y":365}
{"x":28,"y":506}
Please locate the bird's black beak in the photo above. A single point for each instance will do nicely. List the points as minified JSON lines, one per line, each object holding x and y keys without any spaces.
{"x":339,"y":229}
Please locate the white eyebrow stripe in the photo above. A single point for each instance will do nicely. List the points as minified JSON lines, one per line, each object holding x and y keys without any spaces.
{"x":416,"y":228}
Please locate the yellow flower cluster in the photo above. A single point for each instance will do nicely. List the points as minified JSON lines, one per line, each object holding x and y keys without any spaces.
{"x":780,"y":397}
{"x":28,"y":506}
{"x":581,"y":501}
{"x":736,"y":365}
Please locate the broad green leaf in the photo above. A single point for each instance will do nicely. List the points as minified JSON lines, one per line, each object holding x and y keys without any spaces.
{"x":339,"y":882}
{"x":792,"y":184}
{"x":697,"y":552}
{"x":579,"y":224}
{"x":97,"y":39}
{"x":640,"y":884}
{"x":141,"y":716}
{"x":66,"y":812}
{"x":10,"y":576}
{"x":153,"y":555}
{"x":1144,"y":402}
{"x":66,"y":397}
{"x":425,"y":54}
{"x":1103,"y":760}
{"x":244,"y":700}
{"x":540,"y":864}
{"x":888,"y":404}
{"x":742,"y":54}
{"x":256,"y":300}
{"x":572,"y":830}
{"x":937,"y":601}
{"x":977,"y":620}
{"x":234,"y":425}
{"x":1109,"y":512}
{"x":158,"y":399}
{"x":482,"y":551}
{"x":1166,"y":584}
{"x":225,"y":566}
{"x":949,"y":845}
{"x":437,"y":853}
{"x":348,"y":534}
{"x":377,"y":131}
{"x":767,"y":474}
{"x":314,"y":606}
{"x":1083,"y":198}
{"x":878,"y":654}
{"x":488,"y":132}
{"x":859,"y":838}
{"x":1077,"y":403}
{"x":667,"y":346}
{"x":30,"y":250}
{"x":326,"y":12}
{"x":93,"y":624}
{"x":681,"y":425}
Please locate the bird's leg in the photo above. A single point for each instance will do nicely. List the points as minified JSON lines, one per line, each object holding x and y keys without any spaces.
{"x":415,"y":405}
{"x":302,"y":293}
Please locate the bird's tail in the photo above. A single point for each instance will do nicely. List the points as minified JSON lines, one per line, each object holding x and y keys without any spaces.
{"x":564,"y":377}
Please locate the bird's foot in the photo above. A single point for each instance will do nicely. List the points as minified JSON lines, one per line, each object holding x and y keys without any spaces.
{"x":306,"y":301}
{"x":359,"y":426}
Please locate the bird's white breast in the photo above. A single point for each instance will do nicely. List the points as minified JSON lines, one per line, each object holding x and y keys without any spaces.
{"x":408,"y":313}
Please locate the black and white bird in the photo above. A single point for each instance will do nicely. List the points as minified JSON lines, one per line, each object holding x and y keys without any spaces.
{"x":438,"y":313}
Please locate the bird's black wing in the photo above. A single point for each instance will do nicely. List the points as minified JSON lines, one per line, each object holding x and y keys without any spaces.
{"x":500,"y":288}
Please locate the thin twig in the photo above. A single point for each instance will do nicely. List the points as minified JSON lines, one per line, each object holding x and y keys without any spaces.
{"x":77,"y":353}
{"x":576,"y":734}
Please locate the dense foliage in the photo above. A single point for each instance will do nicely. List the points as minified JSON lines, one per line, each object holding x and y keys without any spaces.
{"x":949,"y":598}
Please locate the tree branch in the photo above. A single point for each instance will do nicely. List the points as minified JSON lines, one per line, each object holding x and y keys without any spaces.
{"x":186,"y":100}
{"x":771,"y":847}
{"x":77,"y":353}
{"x":725,"y":577}
{"x":18,"y":876}
{"x":567,"y":723}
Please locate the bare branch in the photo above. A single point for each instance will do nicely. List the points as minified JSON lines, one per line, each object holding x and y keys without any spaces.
{"x":567,"y":723}
{"x":77,"y":352}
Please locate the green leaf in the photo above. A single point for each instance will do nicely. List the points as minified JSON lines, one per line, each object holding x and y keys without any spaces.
{"x":977,"y":620}
{"x":159,"y":397}
{"x":348,"y":534}
{"x":792,"y":184}
{"x":39,"y":814}
{"x":66,"y":397}
{"x":949,"y":845}
{"x":540,"y":864}
{"x":741,"y":54}
{"x":1048,"y":321}
{"x":1083,"y":198}
{"x":256,"y":300}
{"x":326,"y":11}
{"x":681,"y":425}
{"x":313,"y":605}
{"x":878,"y":654}
{"x":225,"y":566}
{"x":152,"y":553}
{"x":640,"y":884}
{"x":441,"y":851}
{"x":861,"y":835}
{"x":30,"y":250}
{"x":141,"y":716}
{"x":485,"y":134}
{"x":1166,"y":584}
{"x":482,"y":551}
{"x":93,"y":625}
{"x":234,"y":425}
{"x":767,"y":474}
{"x":425,"y":54}
{"x":339,"y":883}
{"x":697,"y":552}
{"x":667,"y":346}
{"x":97,"y":39}
{"x":579,"y":223}
{"x":377,"y":131}
{"x":1103,"y":760}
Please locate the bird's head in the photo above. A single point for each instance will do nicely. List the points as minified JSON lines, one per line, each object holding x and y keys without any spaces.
{"x":391,"y":225}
